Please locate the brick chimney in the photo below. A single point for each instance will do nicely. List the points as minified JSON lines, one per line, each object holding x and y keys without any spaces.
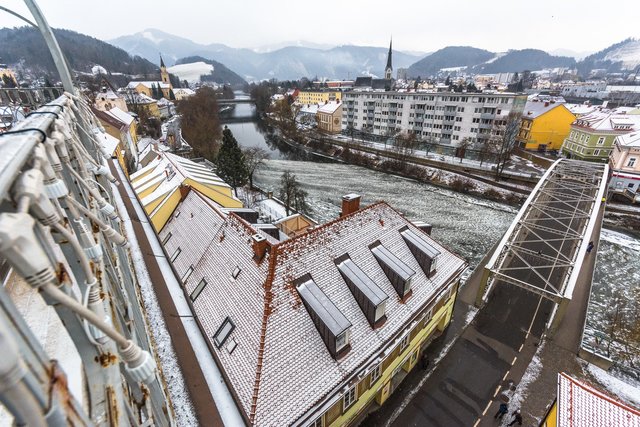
{"x":260,"y":246}
{"x":350,"y":204}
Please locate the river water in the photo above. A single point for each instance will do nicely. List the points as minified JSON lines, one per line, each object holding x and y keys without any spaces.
{"x":466,"y":225}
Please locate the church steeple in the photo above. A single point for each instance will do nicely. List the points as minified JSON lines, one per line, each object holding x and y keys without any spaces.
{"x":164,"y":75}
{"x":389,"y":68}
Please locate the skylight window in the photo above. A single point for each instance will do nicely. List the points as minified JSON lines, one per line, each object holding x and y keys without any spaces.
{"x":223,"y":332}
{"x":198,"y":290}
{"x":166,"y":238}
{"x":236,"y":272}
{"x":176,"y":254}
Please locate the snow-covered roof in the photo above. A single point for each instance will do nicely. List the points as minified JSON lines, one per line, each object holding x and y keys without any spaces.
{"x":630,"y":140}
{"x":139,"y":98}
{"x":167,"y":172}
{"x":162,"y":102}
{"x":581,"y":109}
{"x":582,"y":405}
{"x":329,"y":107}
{"x":149,"y":84}
{"x":608,"y":121}
{"x":309,"y":109}
{"x":121,"y":115}
{"x":183,"y":91}
{"x":537,"y":107}
{"x":109,"y":142}
{"x":108,"y":93}
{"x":274,"y":357}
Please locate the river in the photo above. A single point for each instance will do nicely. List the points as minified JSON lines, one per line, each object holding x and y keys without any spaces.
{"x":467,"y":225}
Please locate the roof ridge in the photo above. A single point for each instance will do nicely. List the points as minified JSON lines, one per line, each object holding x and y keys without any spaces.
{"x":268,"y":298}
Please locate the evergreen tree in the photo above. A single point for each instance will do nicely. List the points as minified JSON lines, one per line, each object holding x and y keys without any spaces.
{"x":154,"y":91}
{"x":172,"y":96}
{"x":231,"y":165}
{"x":448,"y":80}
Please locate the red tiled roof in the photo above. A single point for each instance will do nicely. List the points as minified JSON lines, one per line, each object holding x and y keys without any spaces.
{"x":582,"y":405}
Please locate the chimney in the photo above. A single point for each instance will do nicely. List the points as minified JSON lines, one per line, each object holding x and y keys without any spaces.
{"x":260,"y":245}
{"x":350,"y":204}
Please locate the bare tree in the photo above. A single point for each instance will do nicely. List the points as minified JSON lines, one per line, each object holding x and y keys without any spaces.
{"x":254,"y":158}
{"x":292,"y":194}
{"x":462,"y":147}
{"x":405,"y":145}
{"x":503,"y":134}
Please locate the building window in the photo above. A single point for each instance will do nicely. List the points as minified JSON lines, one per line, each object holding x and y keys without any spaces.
{"x":632,"y":162}
{"x":596,"y":152}
{"x":186,"y":274}
{"x":198,"y":290}
{"x":405,"y":342}
{"x":175,"y":254}
{"x":342,"y":340}
{"x":601,"y":140}
{"x":317,"y":423}
{"x":349,"y":398}
{"x":223,"y":332}
{"x":376,"y":373}
{"x":166,"y":238}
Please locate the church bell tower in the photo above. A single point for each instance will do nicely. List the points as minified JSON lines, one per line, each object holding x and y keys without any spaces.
{"x":388,"y":69}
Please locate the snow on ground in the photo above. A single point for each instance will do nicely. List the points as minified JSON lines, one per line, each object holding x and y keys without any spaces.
{"x":192,"y":71}
{"x":629,"y":54}
{"x":182,"y":406}
{"x":98,"y":69}
{"x":530,"y":375}
{"x":627,"y":392}
{"x":471,"y":314}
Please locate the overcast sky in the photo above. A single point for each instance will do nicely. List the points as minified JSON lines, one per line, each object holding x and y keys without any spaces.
{"x":417,"y":25}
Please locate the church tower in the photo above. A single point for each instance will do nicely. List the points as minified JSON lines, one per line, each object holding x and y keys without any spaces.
{"x":164,"y":75}
{"x":389,"y":68}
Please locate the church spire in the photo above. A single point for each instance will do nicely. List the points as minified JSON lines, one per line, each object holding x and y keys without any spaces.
{"x":389,"y":68}
{"x":161,"y":62}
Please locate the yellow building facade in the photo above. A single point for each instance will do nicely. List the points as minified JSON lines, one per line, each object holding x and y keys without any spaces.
{"x":544,"y":126}
{"x":376,"y":387}
{"x":306,"y":97}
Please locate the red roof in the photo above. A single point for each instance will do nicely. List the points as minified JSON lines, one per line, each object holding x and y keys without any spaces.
{"x":581,"y":405}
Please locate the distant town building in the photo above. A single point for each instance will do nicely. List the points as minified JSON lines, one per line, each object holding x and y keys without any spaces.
{"x":625,"y":166}
{"x":319,"y":96}
{"x":109,"y":98}
{"x":121,"y":125}
{"x":182,"y":93}
{"x":545,"y":124}
{"x":314,"y":329}
{"x":591,"y":136}
{"x":136,"y":101}
{"x":401,"y":74}
{"x":330,"y":117}
{"x":442,"y":117}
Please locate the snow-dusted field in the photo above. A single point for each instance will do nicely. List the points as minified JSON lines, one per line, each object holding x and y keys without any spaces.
{"x":191,"y":72}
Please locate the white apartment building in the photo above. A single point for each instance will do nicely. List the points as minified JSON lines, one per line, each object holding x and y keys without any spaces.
{"x":443,"y":117}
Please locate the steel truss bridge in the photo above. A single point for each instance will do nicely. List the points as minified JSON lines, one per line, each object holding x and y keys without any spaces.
{"x":543,"y":249}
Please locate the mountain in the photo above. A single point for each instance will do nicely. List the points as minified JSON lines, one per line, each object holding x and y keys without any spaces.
{"x":216,"y":72}
{"x":525,"y":59}
{"x":83,"y":52}
{"x":290,"y":62}
{"x":617,"y":57}
{"x":449,"y":57}
{"x":577,"y":55}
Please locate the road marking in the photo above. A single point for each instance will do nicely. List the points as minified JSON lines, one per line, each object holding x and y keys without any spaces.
{"x":520,"y":349}
{"x":495,"y":393}
{"x":477,"y":422}
{"x":514,"y":360}
{"x":487,"y":408}
{"x":505,"y":375}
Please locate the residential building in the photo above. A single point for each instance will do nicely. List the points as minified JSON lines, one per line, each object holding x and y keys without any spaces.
{"x":109,"y":98}
{"x":625,"y":166}
{"x":591,"y":136}
{"x":580,"y":404}
{"x":320,"y":96}
{"x":330,"y":117}
{"x":544,"y":125}
{"x":121,"y":125}
{"x":579,"y":110}
{"x":443,"y":117}
{"x":161,"y":184}
{"x":181,"y":93}
{"x":166,"y":108}
{"x":137,"y":101}
{"x":314,"y":329}
{"x":146,"y":88}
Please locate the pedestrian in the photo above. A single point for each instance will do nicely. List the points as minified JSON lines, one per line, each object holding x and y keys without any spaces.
{"x":425,"y":361}
{"x":503,"y":409}
{"x":517,"y":418}
{"x":590,"y":247}
{"x":539,"y":252}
